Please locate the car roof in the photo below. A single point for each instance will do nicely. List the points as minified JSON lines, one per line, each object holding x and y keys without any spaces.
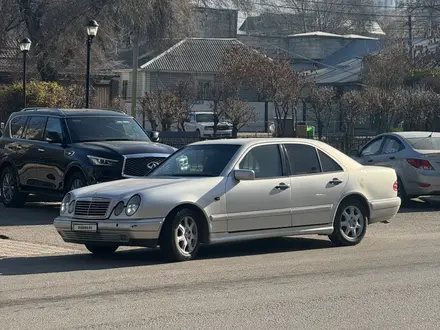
{"x":416,"y":134}
{"x":249,"y":142}
{"x":61,"y":112}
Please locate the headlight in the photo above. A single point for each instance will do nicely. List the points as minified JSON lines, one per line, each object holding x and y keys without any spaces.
{"x":133,"y":205}
{"x":99,"y":161}
{"x":119,"y":208}
{"x":65,"y":203}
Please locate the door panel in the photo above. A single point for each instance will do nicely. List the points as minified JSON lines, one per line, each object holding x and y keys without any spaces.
{"x":314,"y":198}
{"x":317,"y":182}
{"x":53,"y":162}
{"x":263,"y":203}
{"x":33,"y":137}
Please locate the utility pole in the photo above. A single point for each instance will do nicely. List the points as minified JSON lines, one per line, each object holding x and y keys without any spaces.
{"x":410,"y":37}
{"x":134,"y":75}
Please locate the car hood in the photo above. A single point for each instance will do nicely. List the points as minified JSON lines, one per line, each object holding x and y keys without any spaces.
{"x":212,"y":123}
{"x":127,"y":147}
{"x":125,"y":188}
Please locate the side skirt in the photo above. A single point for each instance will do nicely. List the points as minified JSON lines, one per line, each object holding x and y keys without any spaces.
{"x":268,"y":233}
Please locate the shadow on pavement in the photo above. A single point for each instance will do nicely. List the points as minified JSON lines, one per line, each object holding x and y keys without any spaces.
{"x":423,"y":204}
{"x":29,"y":215}
{"x":148,"y":257}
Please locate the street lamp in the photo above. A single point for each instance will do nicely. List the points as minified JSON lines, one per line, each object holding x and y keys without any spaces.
{"x":92,"y":30}
{"x":25,"y":46}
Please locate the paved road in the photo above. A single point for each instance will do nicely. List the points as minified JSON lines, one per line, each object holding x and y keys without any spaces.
{"x":390,"y":281}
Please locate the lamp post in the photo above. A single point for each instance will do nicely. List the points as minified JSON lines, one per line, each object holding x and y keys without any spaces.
{"x":25,"y":46}
{"x":92,"y":30}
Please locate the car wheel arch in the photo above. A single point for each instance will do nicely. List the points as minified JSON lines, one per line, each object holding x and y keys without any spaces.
{"x":7,"y":164}
{"x":202,"y":217}
{"x":70,"y":171}
{"x":357,"y":196}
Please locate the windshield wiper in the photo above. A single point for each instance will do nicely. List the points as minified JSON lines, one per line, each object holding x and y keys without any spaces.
{"x":118,"y":140}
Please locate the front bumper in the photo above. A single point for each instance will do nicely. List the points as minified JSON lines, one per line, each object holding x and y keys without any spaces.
{"x":133,"y":232}
{"x":384,"y":209}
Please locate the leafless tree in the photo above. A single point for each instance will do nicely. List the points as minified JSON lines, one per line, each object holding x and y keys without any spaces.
{"x":238,"y":112}
{"x":322,"y":102}
{"x":57,"y":28}
{"x":273,"y":81}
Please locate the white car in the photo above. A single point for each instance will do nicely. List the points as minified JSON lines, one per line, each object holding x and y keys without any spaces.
{"x":203,"y":124}
{"x":228,"y":190}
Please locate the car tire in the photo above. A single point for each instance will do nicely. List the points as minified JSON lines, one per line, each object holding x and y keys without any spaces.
{"x":75,"y":181}
{"x":180,"y":236}
{"x":10,"y":194}
{"x":401,"y":193}
{"x":199,"y":135}
{"x":101,"y":249}
{"x":350,"y":224}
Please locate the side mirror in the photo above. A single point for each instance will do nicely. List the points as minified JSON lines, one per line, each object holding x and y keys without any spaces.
{"x":155,"y":136}
{"x":244,"y":175}
{"x":2,"y":125}
{"x":354,"y":153}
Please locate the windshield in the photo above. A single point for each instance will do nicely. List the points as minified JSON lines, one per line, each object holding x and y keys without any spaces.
{"x":425,"y":143}
{"x":205,"y":118}
{"x":84,"y":129}
{"x":198,"y":160}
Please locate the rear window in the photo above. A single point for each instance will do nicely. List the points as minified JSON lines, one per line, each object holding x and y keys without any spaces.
{"x":425,"y":143}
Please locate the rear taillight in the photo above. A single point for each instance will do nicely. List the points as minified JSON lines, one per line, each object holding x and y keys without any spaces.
{"x":395,"y":186}
{"x":421,"y":164}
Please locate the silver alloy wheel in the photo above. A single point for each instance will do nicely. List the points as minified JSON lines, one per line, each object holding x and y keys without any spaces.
{"x":8,"y":187}
{"x":186,"y":235}
{"x":352,"y":223}
{"x":76,"y":184}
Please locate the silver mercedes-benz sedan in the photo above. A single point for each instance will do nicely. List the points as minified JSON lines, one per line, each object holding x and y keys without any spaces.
{"x":415,"y":156}
{"x":228,"y":190}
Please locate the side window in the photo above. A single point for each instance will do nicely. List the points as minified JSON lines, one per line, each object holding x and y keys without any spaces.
{"x":54,"y":130}
{"x":303,"y":159}
{"x":392,"y":146}
{"x":17,"y":127}
{"x":372,"y":148}
{"x":35,"y":128}
{"x":328,"y":164}
{"x":264,"y":160}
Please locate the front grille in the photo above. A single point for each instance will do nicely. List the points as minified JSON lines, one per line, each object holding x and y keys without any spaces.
{"x":97,"y":237}
{"x":92,"y":208}
{"x":140,"y":166}
{"x":222,"y":128}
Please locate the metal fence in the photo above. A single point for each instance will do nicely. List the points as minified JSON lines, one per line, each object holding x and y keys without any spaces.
{"x":181,"y":139}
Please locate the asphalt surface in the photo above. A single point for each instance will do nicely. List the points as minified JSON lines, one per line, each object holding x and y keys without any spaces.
{"x":390,"y":281}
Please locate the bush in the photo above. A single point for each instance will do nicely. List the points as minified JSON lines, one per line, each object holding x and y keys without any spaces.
{"x":39,"y":94}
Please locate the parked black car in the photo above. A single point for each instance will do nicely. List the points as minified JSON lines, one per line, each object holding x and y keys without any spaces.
{"x":52,"y":151}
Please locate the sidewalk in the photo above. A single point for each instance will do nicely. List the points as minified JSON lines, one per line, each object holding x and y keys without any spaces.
{"x":16,"y":249}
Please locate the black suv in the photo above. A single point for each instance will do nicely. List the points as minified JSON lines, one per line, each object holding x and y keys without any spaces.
{"x":52,"y":151}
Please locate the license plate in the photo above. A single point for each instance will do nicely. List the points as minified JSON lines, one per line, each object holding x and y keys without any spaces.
{"x":91,"y":227}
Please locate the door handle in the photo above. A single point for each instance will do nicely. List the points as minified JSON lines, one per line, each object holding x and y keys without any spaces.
{"x":335,"y":181}
{"x":40,"y":150}
{"x":370,"y":160}
{"x":282,"y":186}
{"x":392,"y":158}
